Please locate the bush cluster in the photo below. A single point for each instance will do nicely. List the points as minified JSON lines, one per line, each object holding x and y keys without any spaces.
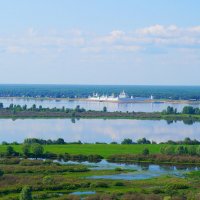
{"x":180,"y":150}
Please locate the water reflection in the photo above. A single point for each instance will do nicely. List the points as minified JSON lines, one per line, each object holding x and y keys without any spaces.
{"x":137,"y":107}
{"x":95,"y":130}
{"x":143,"y":170}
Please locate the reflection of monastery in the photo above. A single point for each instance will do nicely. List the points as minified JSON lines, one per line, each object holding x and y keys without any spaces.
{"x":123,"y":97}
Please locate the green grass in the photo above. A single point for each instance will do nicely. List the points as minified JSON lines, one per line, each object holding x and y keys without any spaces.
{"x":104,"y":150}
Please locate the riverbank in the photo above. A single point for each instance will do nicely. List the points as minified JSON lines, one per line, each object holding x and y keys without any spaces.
{"x":4,"y":113}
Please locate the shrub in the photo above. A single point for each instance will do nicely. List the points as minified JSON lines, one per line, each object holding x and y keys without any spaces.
{"x":26,"y":162}
{"x":181,"y":150}
{"x":48,"y":180}
{"x":119,"y":184}
{"x":169,"y":150}
{"x":26,"y":193}
{"x":26,"y":149}
{"x":37,"y":150}
{"x":192,"y":150}
{"x":145,"y":152}
{"x":9,"y":151}
{"x":198,"y":150}
{"x":10,"y":161}
{"x":118,"y":169}
{"x":101,"y":184}
{"x":176,"y":186}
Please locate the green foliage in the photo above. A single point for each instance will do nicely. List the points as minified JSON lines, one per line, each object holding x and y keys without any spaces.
{"x":49,"y":180}
{"x":192,"y":150}
{"x":9,"y":151}
{"x":143,"y":141}
{"x":188,"y":110}
{"x":26,"y":149}
{"x":101,"y":184}
{"x":104,"y":109}
{"x":170,"y":110}
{"x":198,"y":150}
{"x":26,"y":193}
{"x":168,"y":150}
{"x":176,"y":186}
{"x":119,"y":184}
{"x":145,"y":152}
{"x":37,"y":150}
{"x":127,"y":141}
{"x":118,"y":169}
{"x":181,"y":150}
{"x":9,"y":161}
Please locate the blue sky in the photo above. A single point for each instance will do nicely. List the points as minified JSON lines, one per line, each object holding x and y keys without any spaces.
{"x":137,"y":42}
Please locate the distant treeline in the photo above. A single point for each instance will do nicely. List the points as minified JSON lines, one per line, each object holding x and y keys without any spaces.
{"x":60,"y":141}
{"x":186,"y":110}
{"x":83,"y":91}
{"x":17,"y":108}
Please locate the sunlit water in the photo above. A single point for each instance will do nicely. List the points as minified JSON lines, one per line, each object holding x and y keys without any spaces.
{"x":96,"y":130}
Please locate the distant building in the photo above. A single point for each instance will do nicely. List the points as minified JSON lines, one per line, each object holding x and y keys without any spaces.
{"x":122,"y":97}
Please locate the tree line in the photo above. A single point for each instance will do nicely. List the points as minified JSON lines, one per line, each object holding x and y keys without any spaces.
{"x":126,"y":141}
{"x":186,"y":110}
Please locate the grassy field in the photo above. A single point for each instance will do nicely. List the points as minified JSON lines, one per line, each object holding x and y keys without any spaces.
{"x":104,"y":150}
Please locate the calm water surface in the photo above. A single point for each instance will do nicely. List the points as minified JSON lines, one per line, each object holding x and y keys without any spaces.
{"x":137,"y":107}
{"x":143,"y":170}
{"x":95,"y":130}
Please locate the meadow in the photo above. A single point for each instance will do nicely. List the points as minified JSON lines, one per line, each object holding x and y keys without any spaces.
{"x":104,"y":150}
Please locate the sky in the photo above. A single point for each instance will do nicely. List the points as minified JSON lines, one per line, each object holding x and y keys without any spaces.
{"x":118,"y":42}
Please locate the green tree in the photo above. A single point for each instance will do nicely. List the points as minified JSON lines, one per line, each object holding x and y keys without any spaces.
{"x":104,"y":109}
{"x":24,"y":107}
{"x":188,"y":110}
{"x":26,"y":193}
{"x":9,"y":151}
{"x":60,"y":141}
{"x":33,"y":107}
{"x":1,"y":105}
{"x":145,"y":152}
{"x":40,"y":108}
{"x":37,"y":150}
{"x":26,"y":149}
{"x":127,"y":141}
{"x":77,"y":109}
{"x":143,"y":141}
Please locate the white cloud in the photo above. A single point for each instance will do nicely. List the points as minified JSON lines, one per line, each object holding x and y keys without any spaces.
{"x":115,"y":41}
{"x":159,"y":30}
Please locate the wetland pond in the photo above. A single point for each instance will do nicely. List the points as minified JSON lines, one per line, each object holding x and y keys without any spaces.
{"x":137,"y":171}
